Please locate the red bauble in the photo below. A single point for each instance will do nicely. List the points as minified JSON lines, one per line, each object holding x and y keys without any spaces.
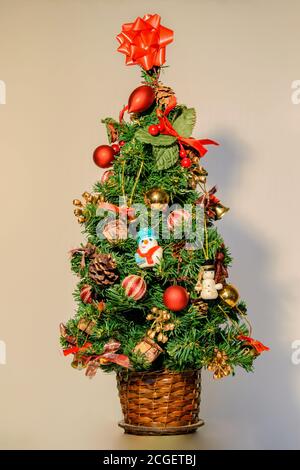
{"x":86,"y":294}
{"x":153,"y":129}
{"x":135,"y":286}
{"x":103,"y":156}
{"x":116,"y":148}
{"x":141,"y":99}
{"x":176,"y":298}
{"x":182,"y":153}
{"x":186,"y":162}
{"x":122,"y":142}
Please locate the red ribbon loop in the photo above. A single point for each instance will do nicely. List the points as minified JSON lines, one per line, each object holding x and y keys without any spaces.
{"x":109,"y":354}
{"x":144,"y":42}
{"x":76,"y":349}
{"x":168,"y":129}
{"x":257,"y":345}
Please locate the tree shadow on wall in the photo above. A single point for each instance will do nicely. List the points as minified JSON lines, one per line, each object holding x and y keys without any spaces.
{"x":260,"y":410}
{"x":248,"y":411}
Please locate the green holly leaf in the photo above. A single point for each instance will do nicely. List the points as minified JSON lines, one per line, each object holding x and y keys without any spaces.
{"x":112,"y":129}
{"x":165,"y":157}
{"x":160,"y":140}
{"x":185,"y":123}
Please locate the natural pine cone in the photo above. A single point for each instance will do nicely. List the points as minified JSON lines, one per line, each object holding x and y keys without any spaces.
{"x":200,"y":305}
{"x":102,"y":269}
{"x":163,"y":94}
{"x":219,"y":365}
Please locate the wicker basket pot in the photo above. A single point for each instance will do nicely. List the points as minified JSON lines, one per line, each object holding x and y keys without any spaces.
{"x":161,"y":402}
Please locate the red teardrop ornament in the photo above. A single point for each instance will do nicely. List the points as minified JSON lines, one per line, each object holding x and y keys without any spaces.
{"x":141,"y":99}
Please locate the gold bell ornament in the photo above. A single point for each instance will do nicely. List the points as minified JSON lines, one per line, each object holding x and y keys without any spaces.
{"x":220,"y":210}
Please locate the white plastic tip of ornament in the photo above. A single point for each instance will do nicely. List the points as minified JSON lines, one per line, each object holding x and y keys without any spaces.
{"x":295,"y":357}
{"x":295,"y":96}
{"x":2,"y":92}
{"x":2,"y":353}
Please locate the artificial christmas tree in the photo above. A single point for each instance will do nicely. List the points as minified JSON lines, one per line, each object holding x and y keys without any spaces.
{"x":153,"y":300}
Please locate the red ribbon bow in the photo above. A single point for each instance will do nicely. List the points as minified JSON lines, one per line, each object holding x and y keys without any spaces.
{"x":221,"y":272}
{"x":144,"y":42}
{"x":76,"y":349}
{"x":209,"y":200}
{"x":87,"y":251}
{"x":109,"y":354}
{"x":167,"y":129}
{"x":257,"y":345}
{"x":122,"y":211}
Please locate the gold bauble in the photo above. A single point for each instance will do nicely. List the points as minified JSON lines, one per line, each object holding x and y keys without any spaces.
{"x":202,"y":179}
{"x":156,"y":198}
{"x":87,"y":196}
{"x":77,"y":212}
{"x":160,"y":337}
{"x":229,"y":294}
{"x":77,"y":202}
{"x":78,"y":364}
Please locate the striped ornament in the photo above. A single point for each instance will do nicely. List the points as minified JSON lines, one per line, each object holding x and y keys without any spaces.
{"x":177,"y":217}
{"x":105,"y":176}
{"x":135,"y":286}
{"x":86,"y":294}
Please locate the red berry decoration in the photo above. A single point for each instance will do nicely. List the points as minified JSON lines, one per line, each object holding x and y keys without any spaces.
{"x":121,"y":143}
{"x":182,"y":153}
{"x":103,"y":156}
{"x":176,"y":298}
{"x":135,"y":286}
{"x":86,"y":294}
{"x":141,"y":99}
{"x":153,"y":129}
{"x":186,"y":162}
{"x":116,"y":148}
{"x":161,"y":127}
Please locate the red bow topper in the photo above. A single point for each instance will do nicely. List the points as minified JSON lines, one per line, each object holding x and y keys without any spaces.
{"x":144,"y":42}
{"x":167,"y":129}
{"x":257,"y":345}
{"x":208,"y":201}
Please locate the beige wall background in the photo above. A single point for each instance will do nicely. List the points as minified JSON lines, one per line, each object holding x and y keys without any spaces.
{"x":235,"y":62}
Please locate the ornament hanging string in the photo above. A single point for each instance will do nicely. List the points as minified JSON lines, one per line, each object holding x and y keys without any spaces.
{"x":168,"y":129}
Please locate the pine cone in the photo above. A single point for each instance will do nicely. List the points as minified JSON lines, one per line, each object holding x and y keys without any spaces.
{"x":102,"y":269}
{"x":176,"y":249}
{"x":163,"y":94}
{"x":200,"y":306}
{"x":219,"y":365}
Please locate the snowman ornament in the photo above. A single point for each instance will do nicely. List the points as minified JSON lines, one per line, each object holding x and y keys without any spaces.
{"x":149,"y":253}
{"x":206,"y":284}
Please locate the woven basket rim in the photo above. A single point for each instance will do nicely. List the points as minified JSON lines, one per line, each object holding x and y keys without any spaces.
{"x":161,"y":371}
